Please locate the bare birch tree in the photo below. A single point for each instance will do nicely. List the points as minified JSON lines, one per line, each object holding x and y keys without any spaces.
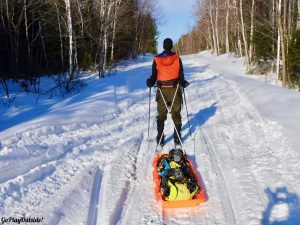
{"x":282,"y":41}
{"x":212,"y":27}
{"x":251,"y":32}
{"x":243,"y":28}
{"x":115,"y":20}
{"x":227,"y":26}
{"x":70,"y":36}
{"x":217,"y":26}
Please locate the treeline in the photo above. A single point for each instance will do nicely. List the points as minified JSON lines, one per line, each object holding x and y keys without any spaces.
{"x":265,"y":32}
{"x":63,"y":36}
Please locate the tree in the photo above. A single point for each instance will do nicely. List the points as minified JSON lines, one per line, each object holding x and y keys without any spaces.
{"x":254,"y":29}
{"x":70,"y":35}
{"x":294,"y":58}
{"x":60,"y":36}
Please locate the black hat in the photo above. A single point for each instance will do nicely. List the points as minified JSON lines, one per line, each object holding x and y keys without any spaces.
{"x":168,"y":44}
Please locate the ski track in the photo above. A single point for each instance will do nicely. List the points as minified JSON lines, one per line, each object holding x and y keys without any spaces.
{"x":226,"y":185}
{"x":75,"y":200}
{"x":202,"y":144}
{"x":45,"y":176}
{"x":236,"y":115}
{"x":129,"y":182}
{"x":94,"y":203}
{"x":92,"y":172}
{"x":140,"y":205}
{"x":226,"y":199}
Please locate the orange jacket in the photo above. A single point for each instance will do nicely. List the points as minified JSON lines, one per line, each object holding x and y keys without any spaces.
{"x":167,"y":67}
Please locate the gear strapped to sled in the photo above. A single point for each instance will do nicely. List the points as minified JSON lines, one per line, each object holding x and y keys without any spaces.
{"x":177,"y":181}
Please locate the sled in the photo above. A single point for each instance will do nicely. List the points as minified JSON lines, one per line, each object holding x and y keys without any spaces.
{"x":199,"y":198}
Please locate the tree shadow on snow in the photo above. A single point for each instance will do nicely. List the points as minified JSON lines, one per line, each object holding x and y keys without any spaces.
{"x":197,"y":119}
{"x":283,"y":208}
{"x":128,"y":80}
{"x":190,"y":69}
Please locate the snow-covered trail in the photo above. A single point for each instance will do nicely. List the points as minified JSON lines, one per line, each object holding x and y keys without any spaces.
{"x":89,"y":160}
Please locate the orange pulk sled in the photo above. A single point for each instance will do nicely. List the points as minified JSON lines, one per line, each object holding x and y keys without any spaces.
{"x":200,"y":197}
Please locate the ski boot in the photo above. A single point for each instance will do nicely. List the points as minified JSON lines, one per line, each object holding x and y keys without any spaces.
{"x":177,"y":144}
{"x":160,"y":141}
{"x":177,"y":140}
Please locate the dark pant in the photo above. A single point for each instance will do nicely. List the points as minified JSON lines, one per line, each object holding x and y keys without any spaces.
{"x":168,"y":94}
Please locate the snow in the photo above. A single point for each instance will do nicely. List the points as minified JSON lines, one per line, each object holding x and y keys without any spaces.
{"x":87,"y":158}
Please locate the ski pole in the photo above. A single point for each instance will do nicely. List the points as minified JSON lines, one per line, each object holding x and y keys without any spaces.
{"x":187,"y":114}
{"x":149,"y":111}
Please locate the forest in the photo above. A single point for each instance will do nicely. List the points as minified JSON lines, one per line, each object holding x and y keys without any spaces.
{"x":44,"y":37}
{"x":265,"y":32}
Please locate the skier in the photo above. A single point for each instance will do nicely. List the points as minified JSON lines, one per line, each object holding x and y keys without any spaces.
{"x":167,"y":72}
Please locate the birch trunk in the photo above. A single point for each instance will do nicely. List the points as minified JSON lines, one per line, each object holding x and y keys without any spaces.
{"x":240,"y":45}
{"x":282,"y":41}
{"x":43,"y":46}
{"x":283,"y":53}
{"x":141,"y":35}
{"x":278,"y":57}
{"x":284,"y":25}
{"x":116,"y":9}
{"x":227,"y":27}
{"x":244,"y":35}
{"x":273,"y":14}
{"x":212,"y":27}
{"x":27,"y":37}
{"x":273,"y":19}
{"x":210,"y":42}
{"x":104,"y":50}
{"x":61,"y":40}
{"x":70,"y":35}
{"x":136,"y":39}
{"x":217,"y":28}
{"x":113,"y":38}
{"x":80,"y":17}
{"x":105,"y":37}
{"x":290,"y":18}
{"x":101,"y":47}
{"x":75,"y":59}
{"x":239,"y":42}
{"x":251,"y":32}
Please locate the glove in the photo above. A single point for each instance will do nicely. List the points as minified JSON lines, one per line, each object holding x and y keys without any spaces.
{"x":149,"y":83}
{"x":184,"y":84}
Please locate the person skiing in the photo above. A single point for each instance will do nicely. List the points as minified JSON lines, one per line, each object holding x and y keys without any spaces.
{"x":167,"y":72}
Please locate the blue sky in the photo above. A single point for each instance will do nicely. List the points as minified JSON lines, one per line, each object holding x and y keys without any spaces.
{"x":177,"y":19}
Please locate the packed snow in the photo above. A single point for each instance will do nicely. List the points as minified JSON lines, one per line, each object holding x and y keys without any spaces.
{"x":87,"y":158}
